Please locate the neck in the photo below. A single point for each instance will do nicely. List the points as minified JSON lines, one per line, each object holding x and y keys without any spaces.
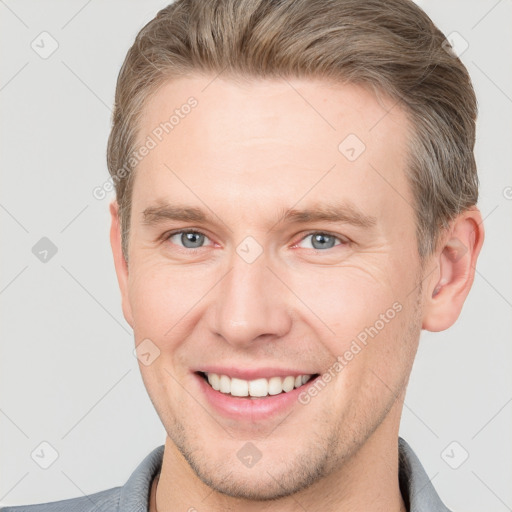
{"x":368,"y":481}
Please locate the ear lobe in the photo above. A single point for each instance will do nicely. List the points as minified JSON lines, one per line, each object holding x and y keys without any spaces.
{"x":120,"y":263}
{"x":456,"y":259}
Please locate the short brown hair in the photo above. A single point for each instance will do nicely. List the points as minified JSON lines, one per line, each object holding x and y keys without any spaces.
{"x":391,"y":46}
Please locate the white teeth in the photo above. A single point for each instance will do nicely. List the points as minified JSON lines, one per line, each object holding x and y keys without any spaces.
{"x":288,"y":383}
{"x":258,"y":387}
{"x":275,"y":386}
{"x":225,"y":384}
{"x":239,"y":387}
{"x":214,"y":381}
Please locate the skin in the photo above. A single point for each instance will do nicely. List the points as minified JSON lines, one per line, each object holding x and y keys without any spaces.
{"x":248,"y":150}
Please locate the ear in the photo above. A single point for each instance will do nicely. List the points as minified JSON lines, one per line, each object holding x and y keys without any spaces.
{"x":119,"y":261}
{"x":455,"y":261}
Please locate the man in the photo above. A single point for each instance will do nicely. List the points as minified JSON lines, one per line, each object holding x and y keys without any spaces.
{"x":295,"y":202}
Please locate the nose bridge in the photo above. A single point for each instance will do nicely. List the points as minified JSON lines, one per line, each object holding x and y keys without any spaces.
{"x":250,"y":301}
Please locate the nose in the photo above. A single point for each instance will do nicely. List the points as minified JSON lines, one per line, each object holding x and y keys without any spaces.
{"x":251,"y":304}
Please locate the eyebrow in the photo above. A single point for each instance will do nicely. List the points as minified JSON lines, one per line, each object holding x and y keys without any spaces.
{"x":157,"y":214}
{"x":342,"y":213}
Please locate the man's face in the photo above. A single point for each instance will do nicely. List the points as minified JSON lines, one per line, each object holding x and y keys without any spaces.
{"x":258,"y":294}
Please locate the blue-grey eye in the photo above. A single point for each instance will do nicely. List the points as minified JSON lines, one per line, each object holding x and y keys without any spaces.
{"x":321,"y":240}
{"x":189,"y":239}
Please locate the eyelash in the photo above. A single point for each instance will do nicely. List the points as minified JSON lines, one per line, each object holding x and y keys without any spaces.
{"x":167,"y":236}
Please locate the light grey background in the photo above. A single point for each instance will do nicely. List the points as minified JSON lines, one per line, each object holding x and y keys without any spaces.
{"x":67,"y":372}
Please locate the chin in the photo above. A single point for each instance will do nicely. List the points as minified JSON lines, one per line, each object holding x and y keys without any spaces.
{"x":267,"y":480}
{"x":261,"y":486}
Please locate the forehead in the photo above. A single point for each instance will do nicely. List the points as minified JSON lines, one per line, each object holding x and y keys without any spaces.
{"x":274,"y":137}
{"x":290,"y":108}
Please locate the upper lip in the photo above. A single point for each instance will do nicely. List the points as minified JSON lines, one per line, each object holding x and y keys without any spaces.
{"x":253,"y":373}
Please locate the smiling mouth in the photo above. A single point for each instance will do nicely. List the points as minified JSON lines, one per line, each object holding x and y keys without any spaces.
{"x":257,"y":388}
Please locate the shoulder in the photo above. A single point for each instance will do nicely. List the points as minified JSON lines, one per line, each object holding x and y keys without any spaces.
{"x":131,"y":497}
{"x":103,"y":501}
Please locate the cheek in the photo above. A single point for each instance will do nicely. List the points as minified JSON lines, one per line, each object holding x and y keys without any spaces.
{"x":168,"y":301}
{"x":345,"y":300}
{"x":158,"y":299}
{"x":362,"y":323}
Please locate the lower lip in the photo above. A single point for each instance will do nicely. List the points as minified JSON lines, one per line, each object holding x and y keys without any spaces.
{"x":247,"y":408}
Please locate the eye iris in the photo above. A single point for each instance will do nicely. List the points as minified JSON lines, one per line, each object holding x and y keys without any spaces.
{"x":196,"y":239}
{"x":322,"y":238}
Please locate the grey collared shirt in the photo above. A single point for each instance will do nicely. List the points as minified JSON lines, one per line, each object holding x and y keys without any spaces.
{"x":418,"y":492}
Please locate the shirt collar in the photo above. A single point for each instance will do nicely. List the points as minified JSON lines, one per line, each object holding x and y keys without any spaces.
{"x":417,"y":490}
{"x":135,"y":492}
